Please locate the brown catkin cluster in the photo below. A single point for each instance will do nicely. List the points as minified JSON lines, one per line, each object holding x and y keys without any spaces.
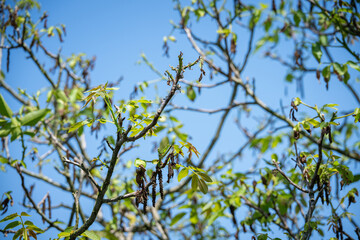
{"x":171,"y":166}
{"x":154,"y":188}
{"x":161,"y":184}
{"x":145,"y":198}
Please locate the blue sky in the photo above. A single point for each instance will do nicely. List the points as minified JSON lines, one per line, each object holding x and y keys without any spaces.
{"x":117,"y":32}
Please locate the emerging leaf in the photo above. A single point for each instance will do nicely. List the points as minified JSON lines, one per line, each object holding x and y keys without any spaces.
{"x":32,"y":118}
{"x":183,"y":173}
{"x":4,"y":108}
{"x":316,"y":51}
{"x":139,"y":162}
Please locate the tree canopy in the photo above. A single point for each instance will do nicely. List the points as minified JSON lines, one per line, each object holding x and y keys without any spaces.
{"x":253,"y":134}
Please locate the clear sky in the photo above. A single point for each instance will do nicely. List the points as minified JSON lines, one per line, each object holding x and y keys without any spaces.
{"x":117,"y":32}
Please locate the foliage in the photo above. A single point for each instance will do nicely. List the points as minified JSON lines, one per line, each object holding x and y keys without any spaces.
{"x":298,"y":158}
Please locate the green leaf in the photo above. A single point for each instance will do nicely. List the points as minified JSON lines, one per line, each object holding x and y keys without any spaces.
{"x":289,"y":77}
{"x":30,"y":225}
{"x":15,"y":133}
{"x":297,"y":101}
{"x":3,"y":160}
{"x":297,"y":19}
{"x":190,"y":93}
{"x":262,"y":237}
{"x":331,"y":105}
{"x":60,"y":95}
{"x":10,"y":217}
{"x":12,"y":225}
{"x":199,"y":13}
{"x":64,"y":234}
{"x":32,"y":118}
{"x":346,"y":77}
{"x":183,"y":173}
{"x":194,"y":182}
{"x":5,"y":130}
{"x":80,"y":124}
{"x":4,"y":108}
{"x":164,"y":144}
{"x":355,"y":66}
{"x":177,"y":218}
{"x":204,"y":176}
{"x":67,"y":232}
{"x":25,"y":214}
{"x":225,"y":31}
{"x":91,"y":234}
{"x":203,"y":187}
{"x":323,"y":40}
{"x":340,"y":69}
{"x":316,"y":51}
{"x":326,"y":72}
{"x":18,"y":233}
{"x":313,"y":122}
{"x":260,"y":43}
{"x":139,"y":162}
{"x":172,"y":38}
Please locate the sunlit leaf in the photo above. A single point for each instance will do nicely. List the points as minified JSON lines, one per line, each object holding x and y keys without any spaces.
{"x":18,"y":233}
{"x":183,"y":173}
{"x":190,"y":93}
{"x":32,"y":118}
{"x":91,"y":234}
{"x":25,"y":214}
{"x":4,"y":108}
{"x":12,"y":225}
{"x":80,"y":124}
{"x":10,"y":217}
{"x":139,"y":162}
{"x":177,"y":218}
{"x":316,"y":51}
{"x":355,"y":66}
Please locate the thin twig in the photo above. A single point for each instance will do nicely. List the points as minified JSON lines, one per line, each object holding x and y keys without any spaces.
{"x":287,"y":178}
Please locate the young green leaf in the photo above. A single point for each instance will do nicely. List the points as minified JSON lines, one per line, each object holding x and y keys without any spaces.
{"x":32,"y":118}
{"x":203,"y":187}
{"x":25,"y":214}
{"x":64,"y":234}
{"x":18,"y":233}
{"x":204,"y":176}
{"x":326,"y":72}
{"x":355,"y":66}
{"x":10,"y":217}
{"x":139,"y":162}
{"x":316,"y":51}
{"x":183,"y":173}
{"x":12,"y":225}
{"x":177,"y":218}
{"x":164,"y":144}
{"x":262,"y":237}
{"x":80,"y":124}
{"x":190,"y":93}
{"x":91,"y":234}
{"x":194,"y":182}
{"x":3,"y":160}
{"x":4,"y":108}
{"x":31,"y":226}
{"x":340,"y":69}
